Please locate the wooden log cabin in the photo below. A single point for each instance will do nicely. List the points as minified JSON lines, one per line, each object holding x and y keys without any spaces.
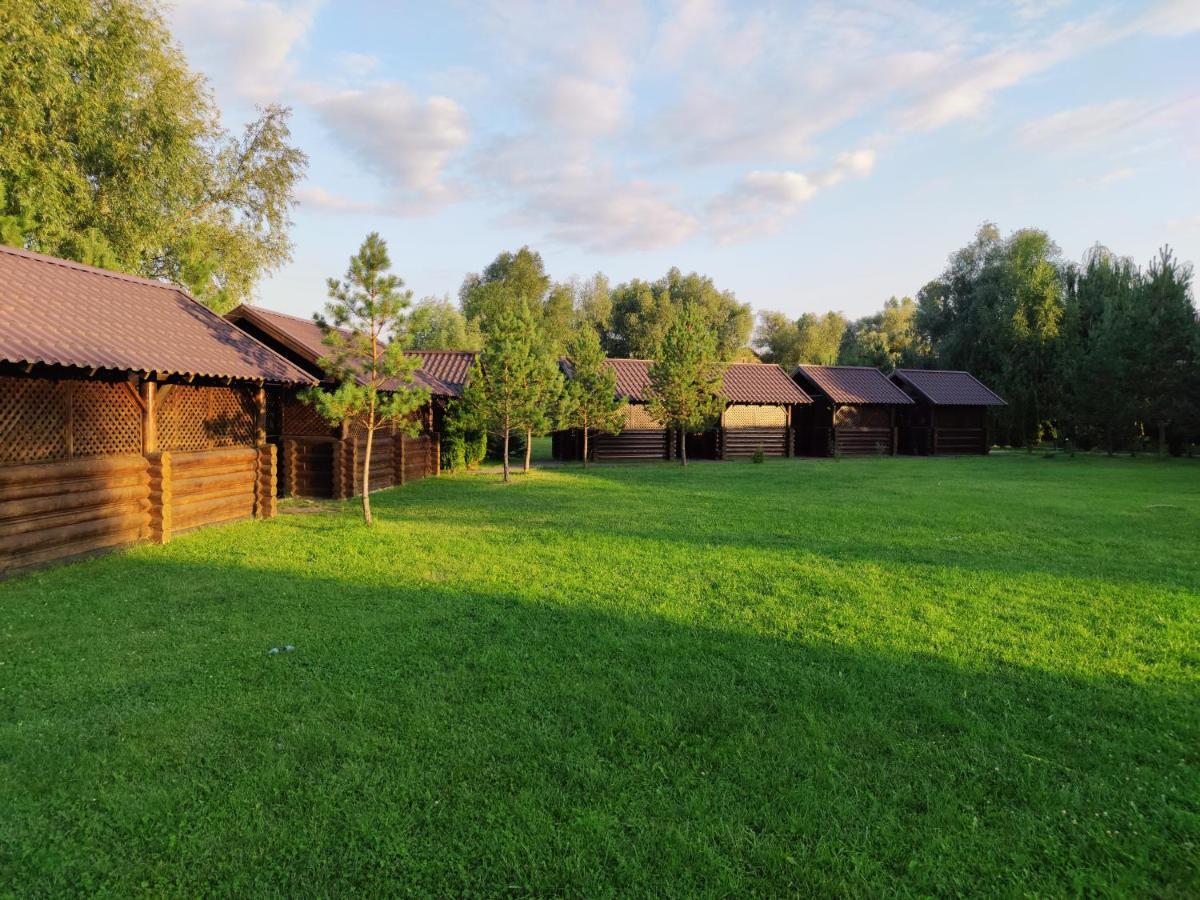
{"x":950,"y":413}
{"x":128,"y":412}
{"x":758,"y":414}
{"x":853,"y":412}
{"x":318,"y":460}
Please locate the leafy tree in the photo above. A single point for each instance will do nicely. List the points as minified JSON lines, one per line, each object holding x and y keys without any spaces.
{"x":375,"y":377}
{"x":497,"y":391}
{"x":810,"y":339}
{"x":590,"y":400}
{"x":642,"y":312}
{"x":510,"y":280}
{"x":436,"y":324}
{"x":593,"y":305}
{"x":112,"y":153}
{"x":686,"y":378}
{"x":887,"y":340}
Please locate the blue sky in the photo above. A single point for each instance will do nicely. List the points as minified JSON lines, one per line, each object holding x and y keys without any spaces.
{"x":808,"y":156}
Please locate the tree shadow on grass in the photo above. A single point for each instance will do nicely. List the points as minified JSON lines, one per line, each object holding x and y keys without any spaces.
{"x":435,"y":740}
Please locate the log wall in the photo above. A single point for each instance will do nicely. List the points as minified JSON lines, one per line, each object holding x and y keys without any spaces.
{"x":51,"y":511}
{"x":93,"y":465}
{"x":630,"y":444}
{"x":742,"y":443}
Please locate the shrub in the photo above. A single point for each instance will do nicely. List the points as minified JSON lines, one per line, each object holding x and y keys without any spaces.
{"x":759,"y":456}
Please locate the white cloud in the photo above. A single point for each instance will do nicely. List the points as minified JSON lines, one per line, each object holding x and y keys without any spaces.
{"x":762,"y":201}
{"x":246,"y":47}
{"x":319,"y":198}
{"x":405,"y":140}
{"x":580,"y":106}
{"x":1100,"y":127}
{"x":1171,"y":18}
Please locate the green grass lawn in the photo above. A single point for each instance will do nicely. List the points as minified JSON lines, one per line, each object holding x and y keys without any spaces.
{"x":865,"y":677}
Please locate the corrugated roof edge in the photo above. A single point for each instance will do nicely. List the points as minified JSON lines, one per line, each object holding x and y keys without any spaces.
{"x":1000,"y":401}
{"x":149,"y":282}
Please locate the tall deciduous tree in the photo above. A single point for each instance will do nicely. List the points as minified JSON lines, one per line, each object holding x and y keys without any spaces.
{"x":112,"y":153}
{"x":544,"y":387}
{"x":497,"y":393}
{"x":436,"y":324}
{"x":686,"y":377}
{"x":375,"y":389}
{"x":590,"y":401}
{"x":811,"y":339}
{"x":642,"y":312}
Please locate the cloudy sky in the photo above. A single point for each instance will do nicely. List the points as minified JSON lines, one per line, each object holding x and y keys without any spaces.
{"x":806,"y":155}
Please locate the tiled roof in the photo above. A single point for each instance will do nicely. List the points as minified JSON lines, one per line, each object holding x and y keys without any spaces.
{"x":851,"y":384}
{"x":743,"y":383}
{"x":761,"y":383}
{"x":443,"y":372}
{"x":57,"y":312}
{"x":948,"y":388}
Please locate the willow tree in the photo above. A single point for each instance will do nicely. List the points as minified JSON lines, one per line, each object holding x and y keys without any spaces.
{"x":375,"y":389}
{"x":686,"y":378}
{"x":590,"y":399}
{"x":112,"y":153}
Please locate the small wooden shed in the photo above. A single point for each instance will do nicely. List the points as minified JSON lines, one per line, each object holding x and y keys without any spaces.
{"x":853,"y":412}
{"x":950,"y":413}
{"x":760,"y":399}
{"x":128,"y":412}
{"x":317,"y":460}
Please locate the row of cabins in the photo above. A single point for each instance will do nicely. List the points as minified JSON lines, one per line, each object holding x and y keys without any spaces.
{"x":818,"y":411}
{"x":130,"y":412}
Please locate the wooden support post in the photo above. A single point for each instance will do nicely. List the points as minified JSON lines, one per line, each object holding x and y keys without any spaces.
{"x":435,"y":446}
{"x":721,"y":442}
{"x":932,"y":431}
{"x":265,"y":483}
{"x":401,"y":458}
{"x":149,"y":417}
{"x":260,"y":416}
{"x":160,"y":497}
{"x":343,"y":462}
{"x":291,"y":460}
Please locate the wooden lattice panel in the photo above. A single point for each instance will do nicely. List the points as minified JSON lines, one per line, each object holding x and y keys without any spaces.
{"x":301,"y":419}
{"x":33,"y":420}
{"x":746,"y":416}
{"x":204,"y":418}
{"x":106,"y":419}
{"x":638,"y":419}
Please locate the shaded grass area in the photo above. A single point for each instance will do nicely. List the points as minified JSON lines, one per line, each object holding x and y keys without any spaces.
{"x":864,"y":677}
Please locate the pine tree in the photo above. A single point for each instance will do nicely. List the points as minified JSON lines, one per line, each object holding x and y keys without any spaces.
{"x":685,"y":380}
{"x":375,"y":389}
{"x":590,"y":399}
{"x":497,"y":392}
{"x":544,"y":388}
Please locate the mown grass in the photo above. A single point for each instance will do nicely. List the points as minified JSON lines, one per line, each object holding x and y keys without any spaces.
{"x":951,"y":676}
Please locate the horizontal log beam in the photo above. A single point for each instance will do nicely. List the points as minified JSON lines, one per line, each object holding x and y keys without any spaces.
{"x":16,"y":563}
{"x":12,"y":509}
{"x":24,"y":525}
{"x":72,"y":469}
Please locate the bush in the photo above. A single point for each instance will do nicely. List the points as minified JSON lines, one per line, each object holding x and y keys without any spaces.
{"x":759,"y":456}
{"x":462,"y":446}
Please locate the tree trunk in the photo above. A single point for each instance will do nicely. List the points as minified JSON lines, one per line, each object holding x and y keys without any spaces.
{"x":585,"y":446}
{"x":682,"y":447}
{"x":506,"y":455}
{"x":528,"y":448}
{"x":366,"y":485}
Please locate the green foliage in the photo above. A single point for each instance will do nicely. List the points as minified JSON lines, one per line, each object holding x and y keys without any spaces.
{"x":463,"y":445}
{"x":642,"y":313}
{"x":756,"y":681}
{"x":375,"y":378}
{"x":436,"y":324}
{"x":685,"y":380}
{"x":502,"y":392}
{"x":590,"y":401}
{"x":112,"y":153}
{"x":759,"y":457}
{"x":810,"y":339}
{"x":886,"y":340}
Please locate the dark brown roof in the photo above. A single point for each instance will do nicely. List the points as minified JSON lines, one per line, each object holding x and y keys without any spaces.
{"x":443,"y":372}
{"x":743,"y":383}
{"x":57,"y":312}
{"x":851,"y":384}
{"x":948,"y":388}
